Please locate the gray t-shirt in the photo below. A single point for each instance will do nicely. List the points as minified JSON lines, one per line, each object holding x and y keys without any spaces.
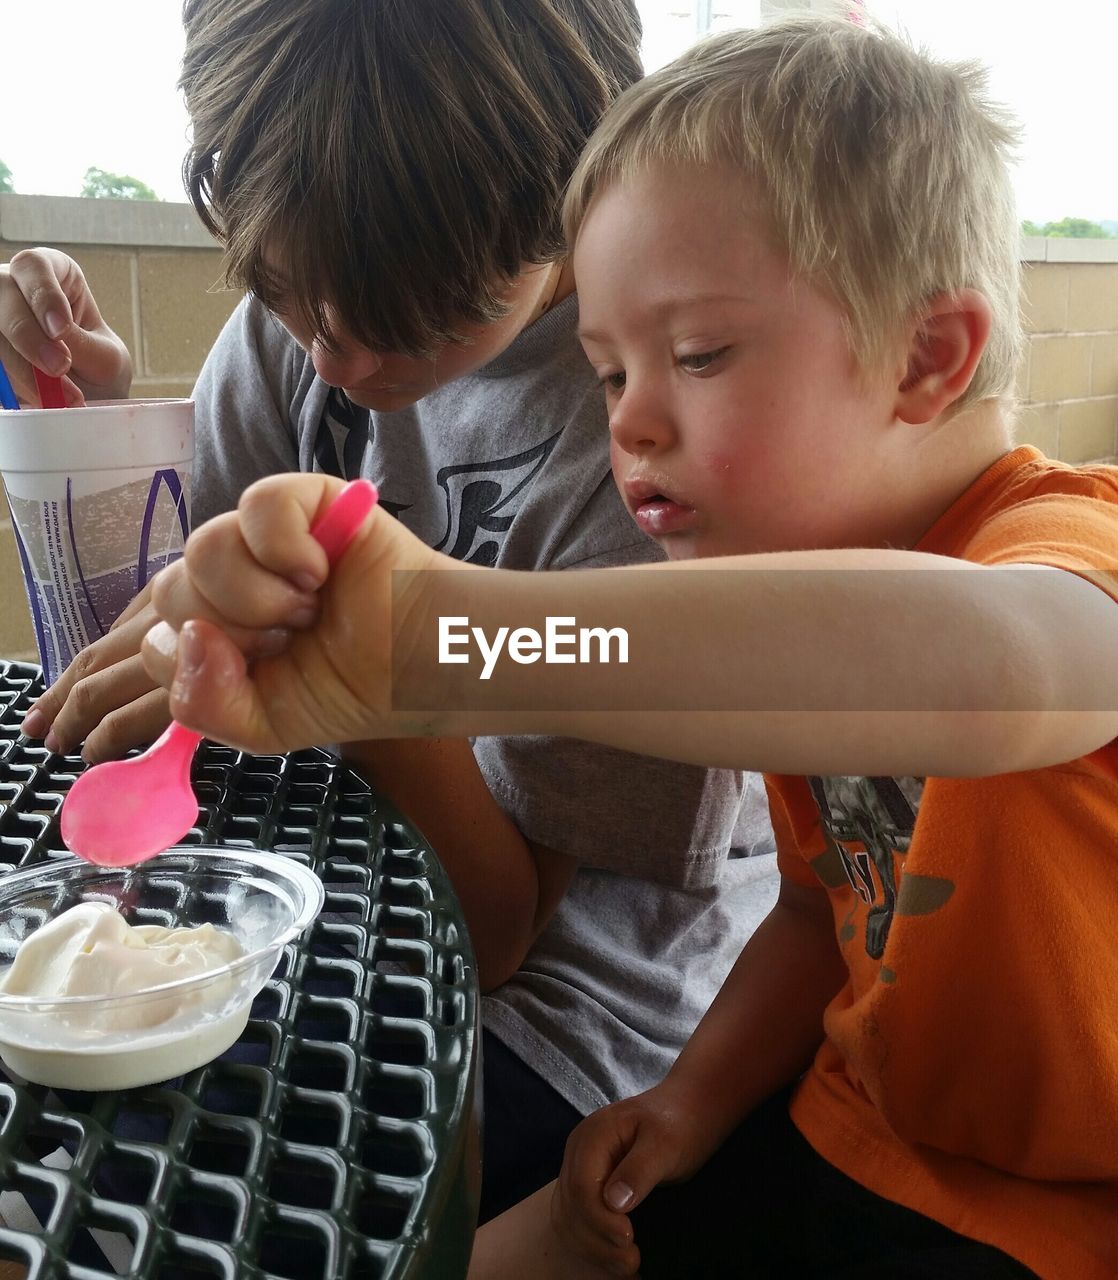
{"x":510,"y":466}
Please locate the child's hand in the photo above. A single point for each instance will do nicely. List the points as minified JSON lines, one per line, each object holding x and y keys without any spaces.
{"x":613,"y":1160}
{"x":49,"y":318}
{"x":254,"y":584}
{"x":104,"y":699}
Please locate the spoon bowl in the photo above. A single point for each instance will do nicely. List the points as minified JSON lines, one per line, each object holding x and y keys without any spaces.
{"x":125,"y":811}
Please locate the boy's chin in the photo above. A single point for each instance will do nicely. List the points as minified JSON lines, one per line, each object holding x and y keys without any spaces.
{"x":696,"y":546}
{"x":386,"y":401}
{"x":676,"y":547}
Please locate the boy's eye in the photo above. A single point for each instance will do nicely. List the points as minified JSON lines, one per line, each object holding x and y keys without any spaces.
{"x":612,"y":381}
{"x":701,"y":360}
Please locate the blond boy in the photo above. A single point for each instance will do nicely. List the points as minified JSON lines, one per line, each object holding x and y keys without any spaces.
{"x":797,"y":260}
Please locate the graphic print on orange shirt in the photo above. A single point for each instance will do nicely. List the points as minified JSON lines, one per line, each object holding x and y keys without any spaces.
{"x":879,"y":815}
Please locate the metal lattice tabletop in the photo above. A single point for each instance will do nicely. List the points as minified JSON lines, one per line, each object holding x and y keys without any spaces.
{"x":338,"y":1137}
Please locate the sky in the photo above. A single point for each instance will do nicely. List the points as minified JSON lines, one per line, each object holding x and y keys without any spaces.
{"x":92,"y":82}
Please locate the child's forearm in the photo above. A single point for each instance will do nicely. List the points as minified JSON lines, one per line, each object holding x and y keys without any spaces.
{"x":871,"y":662}
{"x":852,"y":662}
{"x":508,"y":887}
{"x":766,"y":1023}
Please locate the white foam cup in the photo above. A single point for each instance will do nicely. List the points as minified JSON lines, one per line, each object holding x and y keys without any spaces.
{"x":100,"y":502}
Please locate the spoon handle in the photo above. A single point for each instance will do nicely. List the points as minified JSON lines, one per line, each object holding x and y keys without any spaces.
{"x":50,"y":389}
{"x":335,"y":528}
{"x":176,"y":742}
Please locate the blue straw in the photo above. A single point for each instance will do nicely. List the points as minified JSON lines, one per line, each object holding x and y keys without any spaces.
{"x":8,"y":399}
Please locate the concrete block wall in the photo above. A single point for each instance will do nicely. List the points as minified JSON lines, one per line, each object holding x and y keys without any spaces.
{"x":1068,"y":382}
{"x":157,"y":277}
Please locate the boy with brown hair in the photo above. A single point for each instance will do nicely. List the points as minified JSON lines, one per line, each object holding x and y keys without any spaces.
{"x":797,"y":261}
{"x":387,"y":180}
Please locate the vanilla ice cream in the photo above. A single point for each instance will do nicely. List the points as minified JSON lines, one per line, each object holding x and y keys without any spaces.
{"x":91,"y":950}
{"x":75,"y":1010}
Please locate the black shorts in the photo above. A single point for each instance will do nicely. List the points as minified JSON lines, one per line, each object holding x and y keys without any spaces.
{"x":766,"y":1206}
{"x":525,"y":1126}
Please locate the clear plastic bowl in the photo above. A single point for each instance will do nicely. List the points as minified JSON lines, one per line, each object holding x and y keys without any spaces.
{"x":121,"y":1041}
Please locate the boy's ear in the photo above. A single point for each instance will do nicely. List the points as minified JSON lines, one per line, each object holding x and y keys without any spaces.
{"x":948,"y":340}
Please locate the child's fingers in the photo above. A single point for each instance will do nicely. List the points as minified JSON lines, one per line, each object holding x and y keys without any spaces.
{"x":262,"y":631}
{"x":597,"y":1227}
{"x":220,"y":579}
{"x":626,"y":1261}
{"x":593,"y":1151}
{"x":276,"y":516}
{"x":642,"y":1169}
{"x":614,"y":1251}
{"x":590,"y":1162}
{"x":99,"y":361}
{"x":47,"y":280}
{"x":49,"y":318}
{"x":98,"y":696}
{"x":160,"y":652}
{"x":211,"y":692}
{"x":72,"y":394}
{"x":605,"y":1258}
{"x":635,"y":1168}
{"x":607,"y":1242}
{"x":34,"y":313}
{"x":141,"y":721}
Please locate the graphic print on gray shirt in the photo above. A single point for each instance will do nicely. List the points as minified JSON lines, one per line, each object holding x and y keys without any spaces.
{"x":509,"y":466}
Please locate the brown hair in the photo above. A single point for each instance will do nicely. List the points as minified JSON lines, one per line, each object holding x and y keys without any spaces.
{"x":885,"y":173}
{"x":395,"y":161}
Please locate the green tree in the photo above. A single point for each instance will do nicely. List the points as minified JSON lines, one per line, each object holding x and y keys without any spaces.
{"x":1068,"y":228}
{"x":100,"y":185}
{"x":7,"y":186}
{"x":1031,"y":228}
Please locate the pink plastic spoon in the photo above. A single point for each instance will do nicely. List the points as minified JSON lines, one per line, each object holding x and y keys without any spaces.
{"x":125,"y":811}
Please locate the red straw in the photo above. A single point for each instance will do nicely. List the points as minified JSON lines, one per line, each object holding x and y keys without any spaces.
{"x":50,"y":390}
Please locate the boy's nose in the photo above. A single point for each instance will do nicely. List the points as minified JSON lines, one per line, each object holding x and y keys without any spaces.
{"x":639,"y":426}
{"x":346,"y":367}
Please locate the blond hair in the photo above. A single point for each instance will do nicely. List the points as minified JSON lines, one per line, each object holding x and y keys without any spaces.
{"x":884,"y":172}
{"x":394,"y":162}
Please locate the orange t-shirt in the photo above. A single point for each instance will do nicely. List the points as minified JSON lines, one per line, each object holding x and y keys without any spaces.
{"x":970,"y":1066}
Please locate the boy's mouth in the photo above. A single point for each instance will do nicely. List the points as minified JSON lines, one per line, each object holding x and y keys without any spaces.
{"x":377,"y":388}
{"x":380,"y":396}
{"x":655,"y":510}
